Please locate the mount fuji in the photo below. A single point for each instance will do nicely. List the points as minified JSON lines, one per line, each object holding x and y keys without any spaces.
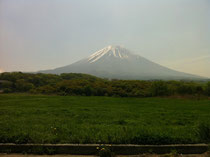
{"x":116,"y":62}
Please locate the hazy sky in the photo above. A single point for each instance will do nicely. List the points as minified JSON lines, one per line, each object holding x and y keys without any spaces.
{"x":44,"y":34}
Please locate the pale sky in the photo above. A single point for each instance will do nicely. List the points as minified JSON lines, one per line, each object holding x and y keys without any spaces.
{"x":45,"y":34}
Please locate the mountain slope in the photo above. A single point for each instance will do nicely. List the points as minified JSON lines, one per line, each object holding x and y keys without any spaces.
{"x":115,"y":62}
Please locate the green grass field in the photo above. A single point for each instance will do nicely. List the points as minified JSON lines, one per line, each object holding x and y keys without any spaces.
{"x":73,"y":119}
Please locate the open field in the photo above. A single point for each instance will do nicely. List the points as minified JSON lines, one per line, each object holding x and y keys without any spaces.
{"x":74,"y":119}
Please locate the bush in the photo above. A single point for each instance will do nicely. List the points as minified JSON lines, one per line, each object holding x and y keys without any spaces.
{"x":23,"y":86}
{"x":5,"y":84}
{"x":208,"y":89}
{"x":45,"y":89}
{"x":160,"y":88}
{"x":88,"y":91}
{"x":83,"y":84}
{"x":7,"y":90}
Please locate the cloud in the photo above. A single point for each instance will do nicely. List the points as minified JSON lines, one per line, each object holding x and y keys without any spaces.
{"x":200,"y":58}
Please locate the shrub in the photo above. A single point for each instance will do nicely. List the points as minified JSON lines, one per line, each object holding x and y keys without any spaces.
{"x":208,"y":89}
{"x":83,"y":84}
{"x":160,"y":88}
{"x":46,"y":89}
{"x":7,"y":90}
{"x":23,"y":86}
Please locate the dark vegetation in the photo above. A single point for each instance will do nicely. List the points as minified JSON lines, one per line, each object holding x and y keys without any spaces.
{"x":27,"y":118}
{"x":87,"y":85}
{"x":69,"y":116}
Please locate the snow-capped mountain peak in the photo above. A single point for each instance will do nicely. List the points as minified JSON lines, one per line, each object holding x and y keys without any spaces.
{"x":116,"y":62}
{"x":109,"y":51}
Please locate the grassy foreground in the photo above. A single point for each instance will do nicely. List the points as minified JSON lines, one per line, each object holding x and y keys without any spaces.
{"x":74,"y":119}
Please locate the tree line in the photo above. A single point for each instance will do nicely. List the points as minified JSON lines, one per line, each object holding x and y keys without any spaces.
{"x":87,"y":85}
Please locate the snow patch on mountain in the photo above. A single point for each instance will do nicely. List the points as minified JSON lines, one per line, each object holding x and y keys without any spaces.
{"x":111,"y":51}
